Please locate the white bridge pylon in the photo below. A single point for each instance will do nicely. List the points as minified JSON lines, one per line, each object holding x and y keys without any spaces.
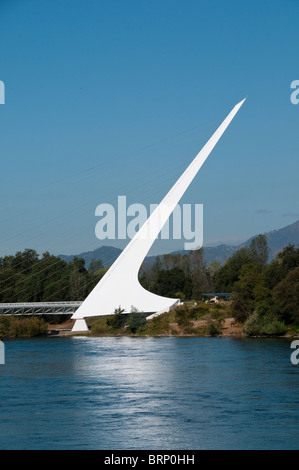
{"x":120,"y":286}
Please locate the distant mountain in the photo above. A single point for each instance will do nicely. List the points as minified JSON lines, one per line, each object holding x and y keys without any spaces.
{"x":108,"y":254}
{"x":277,"y":240}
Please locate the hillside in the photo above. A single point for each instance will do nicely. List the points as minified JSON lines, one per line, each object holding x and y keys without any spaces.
{"x":278,"y":239}
{"x":108,"y":254}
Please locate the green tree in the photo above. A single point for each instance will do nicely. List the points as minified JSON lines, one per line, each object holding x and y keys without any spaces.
{"x":250,"y":293}
{"x":116,"y":320}
{"x":286,"y":294}
{"x":229,"y":273}
{"x":243,"y":303}
{"x":136,"y":320}
{"x":199,"y":273}
{"x":168,"y":282}
{"x":49,"y":280}
{"x":95,"y":265}
{"x":78,"y":279}
{"x":259,"y":250}
{"x":24,"y":261}
{"x":213,"y":268}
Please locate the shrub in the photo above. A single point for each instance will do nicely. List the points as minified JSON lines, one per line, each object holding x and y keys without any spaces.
{"x":266,"y":325}
{"x":173,"y":332}
{"x":98,"y":326}
{"x":213,"y":328}
{"x":217,"y":306}
{"x":198,"y":311}
{"x":182,"y":316}
{"x":158,"y":325}
{"x":200,"y":330}
{"x":13,"y":327}
{"x":188,"y":330}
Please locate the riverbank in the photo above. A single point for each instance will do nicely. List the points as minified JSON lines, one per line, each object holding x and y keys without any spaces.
{"x":229,"y":329}
{"x":206,"y":320}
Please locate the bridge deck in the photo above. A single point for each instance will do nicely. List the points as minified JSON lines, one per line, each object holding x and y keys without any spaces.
{"x":39,"y":308}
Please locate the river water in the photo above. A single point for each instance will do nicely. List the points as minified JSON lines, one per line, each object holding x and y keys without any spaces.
{"x":149,"y":393}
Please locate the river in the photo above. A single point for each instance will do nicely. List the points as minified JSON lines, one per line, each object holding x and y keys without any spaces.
{"x":148,"y":393}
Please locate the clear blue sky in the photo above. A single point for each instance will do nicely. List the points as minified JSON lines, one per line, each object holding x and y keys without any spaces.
{"x":108,"y":98}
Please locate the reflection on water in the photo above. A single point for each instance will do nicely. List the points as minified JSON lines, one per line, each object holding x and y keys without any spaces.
{"x":148,"y":393}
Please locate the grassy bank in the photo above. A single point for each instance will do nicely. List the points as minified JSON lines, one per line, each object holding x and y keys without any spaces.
{"x":191,"y":320}
{"x":197,"y":320}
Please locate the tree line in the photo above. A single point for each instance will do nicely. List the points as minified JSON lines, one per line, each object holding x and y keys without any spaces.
{"x":265,"y":296}
{"x":28,"y":277}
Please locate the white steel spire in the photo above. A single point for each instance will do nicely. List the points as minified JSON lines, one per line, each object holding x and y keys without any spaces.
{"x":120,"y":286}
